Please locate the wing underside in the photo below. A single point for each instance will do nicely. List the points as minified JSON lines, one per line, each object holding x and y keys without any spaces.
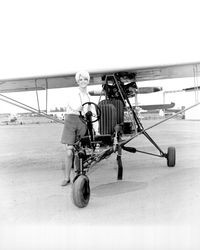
{"x":67,"y":80}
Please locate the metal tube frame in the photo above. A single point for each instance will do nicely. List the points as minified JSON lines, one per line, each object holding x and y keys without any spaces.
{"x":140,"y":127}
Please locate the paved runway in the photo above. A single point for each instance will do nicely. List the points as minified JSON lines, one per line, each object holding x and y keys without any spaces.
{"x":152,"y":202}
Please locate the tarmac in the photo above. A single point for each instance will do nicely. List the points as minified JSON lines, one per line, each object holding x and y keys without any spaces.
{"x":153,"y":207}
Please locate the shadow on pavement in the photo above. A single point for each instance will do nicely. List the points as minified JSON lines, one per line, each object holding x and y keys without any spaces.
{"x":118,"y":187}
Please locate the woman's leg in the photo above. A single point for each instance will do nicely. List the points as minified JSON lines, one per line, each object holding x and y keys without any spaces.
{"x":68,"y":164}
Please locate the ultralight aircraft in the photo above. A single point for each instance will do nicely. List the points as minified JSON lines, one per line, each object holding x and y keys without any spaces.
{"x":118,"y":86}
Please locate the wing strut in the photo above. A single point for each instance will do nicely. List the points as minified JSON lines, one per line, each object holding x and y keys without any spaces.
{"x":36,"y":91}
{"x":196,"y":74}
{"x":28,"y":108}
{"x":46,"y":80}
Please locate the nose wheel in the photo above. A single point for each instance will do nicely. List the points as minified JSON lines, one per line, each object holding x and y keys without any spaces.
{"x":81,"y":191}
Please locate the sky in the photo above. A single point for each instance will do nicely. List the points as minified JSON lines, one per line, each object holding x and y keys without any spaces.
{"x":56,"y":36}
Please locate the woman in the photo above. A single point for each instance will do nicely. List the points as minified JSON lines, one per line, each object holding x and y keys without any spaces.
{"x":74,"y":127}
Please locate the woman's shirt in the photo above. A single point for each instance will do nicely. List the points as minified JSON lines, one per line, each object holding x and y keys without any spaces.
{"x":75,"y":103}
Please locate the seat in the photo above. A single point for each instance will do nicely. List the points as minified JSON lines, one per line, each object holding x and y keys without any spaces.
{"x":107,"y":123}
{"x":108,"y":119}
{"x":112,"y":113}
{"x":118,"y":104}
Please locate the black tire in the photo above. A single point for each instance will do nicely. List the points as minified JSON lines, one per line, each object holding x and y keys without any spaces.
{"x":171,"y":157}
{"x":81,"y":191}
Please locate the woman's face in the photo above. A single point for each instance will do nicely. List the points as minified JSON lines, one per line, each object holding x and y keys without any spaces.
{"x":83,"y":81}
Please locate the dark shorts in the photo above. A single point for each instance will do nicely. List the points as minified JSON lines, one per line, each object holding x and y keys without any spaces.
{"x":74,"y":128}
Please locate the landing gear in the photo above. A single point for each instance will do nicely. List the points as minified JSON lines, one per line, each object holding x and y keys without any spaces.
{"x":81,"y":191}
{"x":171,"y":157}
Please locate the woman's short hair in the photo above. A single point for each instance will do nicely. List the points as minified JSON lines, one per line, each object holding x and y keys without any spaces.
{"x":84,"y":74}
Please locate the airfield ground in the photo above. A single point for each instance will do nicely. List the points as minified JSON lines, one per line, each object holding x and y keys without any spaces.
{"x":153,"y":207}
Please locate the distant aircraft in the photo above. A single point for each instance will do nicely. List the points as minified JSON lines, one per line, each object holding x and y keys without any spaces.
{"x":118,"y":85}
{"x":10,"y":119}
{"x":57,"y":114}
{"x":157,"y":106}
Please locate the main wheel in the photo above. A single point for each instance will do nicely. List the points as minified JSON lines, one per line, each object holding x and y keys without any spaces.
{"x":171,"y":157}
{"x":81,"y":191}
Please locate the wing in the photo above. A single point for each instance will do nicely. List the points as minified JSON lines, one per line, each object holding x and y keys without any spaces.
{"x":67,"y":80}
